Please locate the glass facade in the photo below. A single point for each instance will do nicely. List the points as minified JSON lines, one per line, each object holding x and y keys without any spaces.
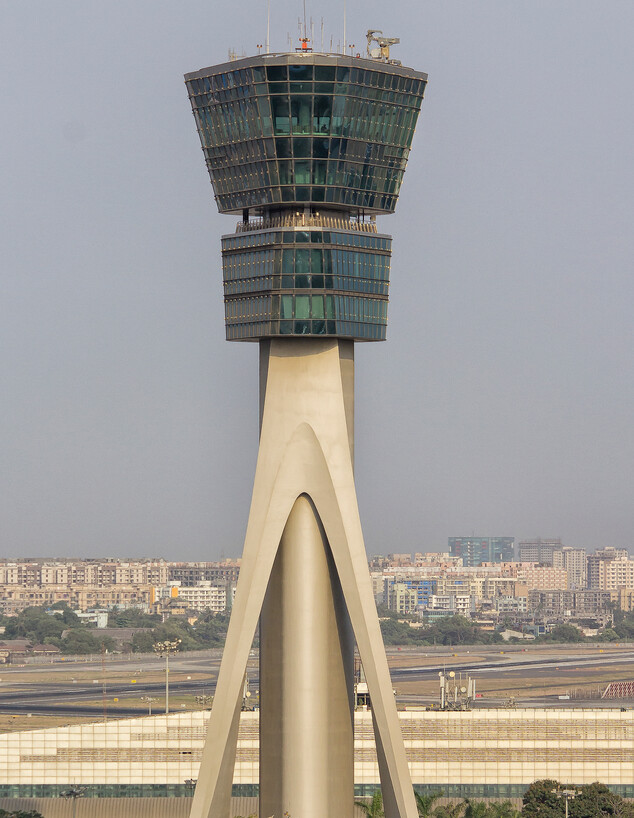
{"x":476,"y":550}
{"x":453,"y":790}
{"x":317,"y":282}
{"x":329,"y":131}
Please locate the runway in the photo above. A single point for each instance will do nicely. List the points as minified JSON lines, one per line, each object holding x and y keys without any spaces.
{"x":127,"y":679}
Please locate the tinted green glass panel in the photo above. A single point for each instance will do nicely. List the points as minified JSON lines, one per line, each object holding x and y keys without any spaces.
{"x":287,"y":261}
{"x":276,"y":72}
{"x":302,"y":173}
{"x":287,"y":306}
{"x":302,"y":306}
{"x":300,"y":72}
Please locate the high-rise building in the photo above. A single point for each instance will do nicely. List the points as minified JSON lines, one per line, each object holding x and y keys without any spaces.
{"x":538,"y":550}
{"x":597,"y":568}
{"x":575,"y":561}
{"x":476,"y":550}
{"x":308,"y":148}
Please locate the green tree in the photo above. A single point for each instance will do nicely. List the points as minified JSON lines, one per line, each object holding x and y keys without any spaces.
{"x":476,"y":809}
{"x":503,"y":809}
{"x":375,"y":808}
{"x":396,"y":633}
{"x":624,"y":626}
{"x":67,"y":614}
{"x":20,"y":814}
{"x":450,"y":810}
{"x":210,"y":630}
{"x":597,"y":801}
{"x":563,"y":633}
{"x":132,"y":618}
{"x":35,"y":625}
{"x":540,"y":800}
{"x":84,"y":641}
{"x":424,"y":803}
{"x":143,"y":642}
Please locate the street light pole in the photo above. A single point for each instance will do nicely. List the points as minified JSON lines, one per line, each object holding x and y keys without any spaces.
{"x":165,"y":649}
{"x":567,"y":795}
{"x":74,"y":793}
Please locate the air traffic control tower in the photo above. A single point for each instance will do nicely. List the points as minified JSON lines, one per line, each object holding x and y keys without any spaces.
{"x":307,"y":148}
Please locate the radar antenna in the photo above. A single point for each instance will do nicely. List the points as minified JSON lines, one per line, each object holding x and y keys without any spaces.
{"x":382,"y":52}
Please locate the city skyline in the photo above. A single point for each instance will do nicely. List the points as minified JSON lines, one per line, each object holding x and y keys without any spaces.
{"x":512,"y":413}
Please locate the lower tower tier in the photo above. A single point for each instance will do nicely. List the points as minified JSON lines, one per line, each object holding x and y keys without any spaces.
{"x":306,"y":274}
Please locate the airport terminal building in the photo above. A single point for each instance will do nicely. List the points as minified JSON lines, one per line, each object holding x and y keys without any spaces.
{"x":482,"y":753}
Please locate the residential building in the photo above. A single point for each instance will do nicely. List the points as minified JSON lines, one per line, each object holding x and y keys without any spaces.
{"x":205,"y":596}
{"x":569,"y":603}
{"x":597,"y":565}
{"x":400,"y":597}
{"x":611,"y":574}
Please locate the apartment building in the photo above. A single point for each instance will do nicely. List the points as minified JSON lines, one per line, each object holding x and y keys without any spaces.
{"x":597,"y":571}
{"x":400,"y":598}
{"x":610,"y":575}
{"x":205,"y":596}
{"x":559,"y":603}
{"x":190,"y":573}
{"x":538,"y":550}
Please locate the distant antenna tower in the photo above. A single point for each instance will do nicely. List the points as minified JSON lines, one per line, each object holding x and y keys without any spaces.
{"x":456,"y":692}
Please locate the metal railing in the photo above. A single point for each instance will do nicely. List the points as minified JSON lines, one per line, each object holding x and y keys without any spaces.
{"x":304,"y":220}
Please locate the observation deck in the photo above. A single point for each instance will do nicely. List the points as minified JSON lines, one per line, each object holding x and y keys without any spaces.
{"x":308,"y":147}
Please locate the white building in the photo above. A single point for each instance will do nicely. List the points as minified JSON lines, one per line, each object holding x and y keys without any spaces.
{"x":483,"y":752}
{"x":204,"y":596}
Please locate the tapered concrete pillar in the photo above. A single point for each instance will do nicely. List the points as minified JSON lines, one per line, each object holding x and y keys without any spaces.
{"x":305,"y":571}
{"x":306,"y":678}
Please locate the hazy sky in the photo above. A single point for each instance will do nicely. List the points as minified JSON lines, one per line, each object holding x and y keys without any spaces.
{"x":502,"y":402}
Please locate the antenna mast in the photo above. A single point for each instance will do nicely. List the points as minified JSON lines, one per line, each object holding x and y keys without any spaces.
{"x":344,"y":28}
{"x":268,"y":26}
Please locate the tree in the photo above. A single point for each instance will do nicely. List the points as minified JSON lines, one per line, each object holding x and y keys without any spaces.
{"x":476,"y":809}
{"x":596,"y":801}
{"x":564,"y":633}
{"x":143,"y":642}
{"x":35,"y":625}
{"x":20,"y":814}
{"x":67,"y":614}
{"x":132,"y":618}
{"x":540,"y":800}
{"x":84,"y":641}
{"x":450,"y":810}
{"x":503,"y":809}
{"x":424,"y":803}
{"x":375,"y":808}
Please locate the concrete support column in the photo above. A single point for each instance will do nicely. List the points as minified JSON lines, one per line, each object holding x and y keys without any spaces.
{"x":306,"y":670}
